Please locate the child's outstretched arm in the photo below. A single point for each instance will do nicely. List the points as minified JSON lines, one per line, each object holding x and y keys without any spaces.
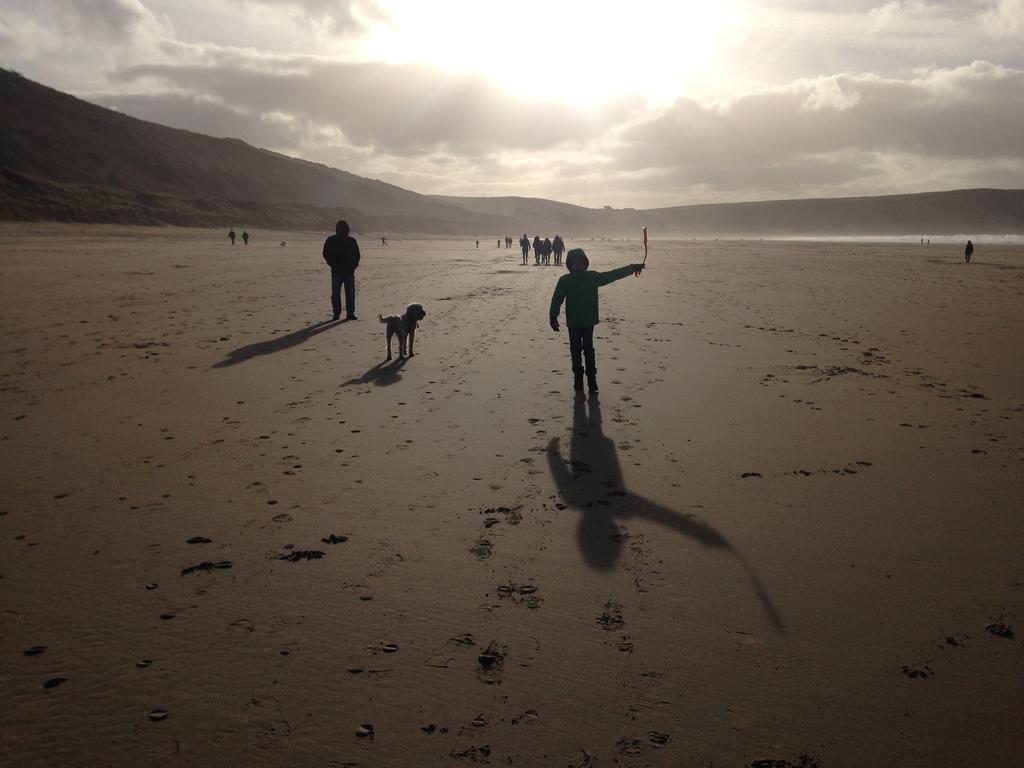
{"x":556,"y":304}
{"x":603,"y":278}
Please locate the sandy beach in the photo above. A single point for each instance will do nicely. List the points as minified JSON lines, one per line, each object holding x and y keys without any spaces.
{"x":786,"y":534}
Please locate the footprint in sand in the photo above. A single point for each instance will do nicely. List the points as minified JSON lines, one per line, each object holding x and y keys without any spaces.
{"x":800,"y":761}
{"x":583,"y":759}
{"x":524,"y":718}
{"x":1000,"y":630}
{"x":510,"y":515}
{"x":917,"y":671}
{"x":629,"y":746}
{"x":491,"y":661}
{"x":657,"y":740}
{"x":482,"y":548}
{"x":611,"y":618}
{"x":520,"y":594}
{"x":479,"y":754}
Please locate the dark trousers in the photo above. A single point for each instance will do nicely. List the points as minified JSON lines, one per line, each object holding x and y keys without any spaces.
{"x":348,"y":279}
{"x":581,"y":347}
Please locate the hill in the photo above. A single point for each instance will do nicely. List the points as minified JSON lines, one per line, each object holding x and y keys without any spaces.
{"x":64,"y":159}
{"x":990,"y":211}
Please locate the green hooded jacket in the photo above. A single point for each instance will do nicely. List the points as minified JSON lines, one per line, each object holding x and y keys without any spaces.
{"x":579,"y":292}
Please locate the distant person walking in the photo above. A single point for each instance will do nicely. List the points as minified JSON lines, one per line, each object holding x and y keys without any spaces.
{"x":341,"y":252}
{"x":383,"y":242}
{"x":231,"y":236}
{"x":537,"y":248}
{"x":245,"y":237}
{"x":477,"y":243}
{"x":578,"y":290}
{"x":968,"y":252}
{"x":524,"y":245}
{"x":558,"y":248}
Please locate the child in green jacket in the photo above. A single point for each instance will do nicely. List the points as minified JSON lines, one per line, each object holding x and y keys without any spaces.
{"x":578,"y":290}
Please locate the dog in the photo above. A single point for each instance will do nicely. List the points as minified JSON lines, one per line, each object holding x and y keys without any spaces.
{"x":404,"y":327}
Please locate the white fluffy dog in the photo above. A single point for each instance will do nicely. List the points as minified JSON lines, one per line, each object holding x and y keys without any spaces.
{"x":404,"y":327}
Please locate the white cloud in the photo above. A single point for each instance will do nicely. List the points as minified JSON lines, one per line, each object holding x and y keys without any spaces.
{"x":101,"y":21}
{"x":860,"y":126}
{"x":341,"y":16}
{"x":397,"y":109}
{"x":807,"y":97}
{"x":1005,"y":20}
{"x":918,"y":17}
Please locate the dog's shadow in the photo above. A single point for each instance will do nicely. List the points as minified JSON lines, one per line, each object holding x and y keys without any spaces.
{"x":383,"y":374}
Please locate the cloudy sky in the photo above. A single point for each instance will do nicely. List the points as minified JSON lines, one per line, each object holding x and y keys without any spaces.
{"x":644,"y":103}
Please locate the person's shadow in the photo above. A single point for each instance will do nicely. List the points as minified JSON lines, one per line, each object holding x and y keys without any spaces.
{"x":591,"y":483}
{"x":382,"y":374}
{"x":240,"y":355}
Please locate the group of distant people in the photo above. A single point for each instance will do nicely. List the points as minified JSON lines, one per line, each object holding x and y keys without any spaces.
{"x":577,"y":290}
{"x":232,"y":236}
{"x":543,"y":250}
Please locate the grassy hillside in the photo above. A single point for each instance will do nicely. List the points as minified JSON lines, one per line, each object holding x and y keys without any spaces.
{"x":63,"y":159}
{"x":53,"y":137}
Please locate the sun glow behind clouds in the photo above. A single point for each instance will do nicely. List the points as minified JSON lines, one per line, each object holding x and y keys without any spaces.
{"x":584,"y":53}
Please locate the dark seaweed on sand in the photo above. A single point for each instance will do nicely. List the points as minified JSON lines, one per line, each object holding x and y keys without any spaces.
{"x":301,"y":554}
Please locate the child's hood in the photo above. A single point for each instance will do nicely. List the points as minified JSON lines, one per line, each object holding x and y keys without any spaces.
{"x":577,"y":253}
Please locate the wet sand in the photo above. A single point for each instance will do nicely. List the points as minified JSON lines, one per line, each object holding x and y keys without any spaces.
{"x":787,"y":533}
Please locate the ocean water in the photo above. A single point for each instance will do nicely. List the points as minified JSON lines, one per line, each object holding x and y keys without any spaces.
{"x":912,"y":239}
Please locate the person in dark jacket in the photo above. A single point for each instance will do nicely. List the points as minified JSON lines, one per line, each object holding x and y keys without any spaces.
{"x":578,"y":290}
{"x":341,"y":252}
{"x":968,"y":251}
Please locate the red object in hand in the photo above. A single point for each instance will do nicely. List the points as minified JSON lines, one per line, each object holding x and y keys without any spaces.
{"x":637,"y":274}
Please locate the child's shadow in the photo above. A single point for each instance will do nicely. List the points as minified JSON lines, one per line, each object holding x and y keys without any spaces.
{"x":594,"y":487}
{"x":383,"y":374}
